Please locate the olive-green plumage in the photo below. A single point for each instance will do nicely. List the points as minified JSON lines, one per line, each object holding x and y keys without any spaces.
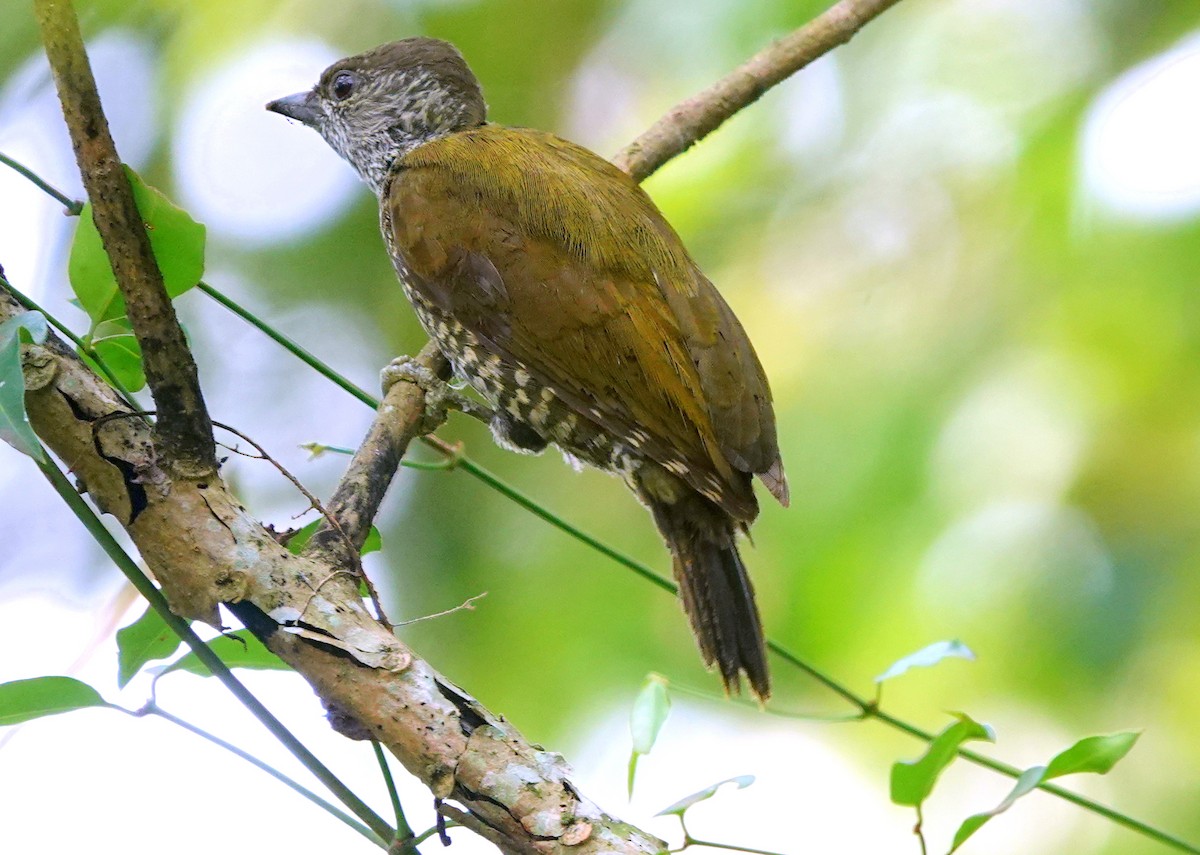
{"x":558,"y":290}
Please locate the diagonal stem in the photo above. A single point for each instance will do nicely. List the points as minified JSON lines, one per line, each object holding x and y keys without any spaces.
{"x":73,"y":206}
{"x":155,"y":710}
{"x":181,"y":628}
{"x":404,"y":832}
{"x":691,"y":120}
{"x":183,"y":423}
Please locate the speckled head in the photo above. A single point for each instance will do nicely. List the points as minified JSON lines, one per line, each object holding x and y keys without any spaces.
{"x":375,"y":107}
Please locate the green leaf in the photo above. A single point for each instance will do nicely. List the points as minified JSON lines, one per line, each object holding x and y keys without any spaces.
{"x":650,"y":710}
{"x":373,"y":543}
{"x":146,"y":638}
{"x":681,"y":806}
{"x":176,"y":239}
{"x":297,"y":541}
{"x":14,"y":421}
{"x":301,"y":536}
{"x":236,"y":651}
{"x":1027,"y":783}
{"x":115,"y":343}
{"x":927,"y":656}
{"x":912,"y":782}
{"x":22,"y":700}
{"x":1096,"y":754}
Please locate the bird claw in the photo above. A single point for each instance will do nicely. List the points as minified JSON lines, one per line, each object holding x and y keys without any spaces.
{"x":410,"y":370}
{"x":440,"y":397}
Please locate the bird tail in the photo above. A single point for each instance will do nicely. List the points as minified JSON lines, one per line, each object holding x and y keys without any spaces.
{"x":715,"y":589}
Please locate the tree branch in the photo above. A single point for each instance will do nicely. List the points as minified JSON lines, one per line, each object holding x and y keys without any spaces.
{"x":205,"y":548}
{"x":689,"y":121}
{"x":183,"y":421}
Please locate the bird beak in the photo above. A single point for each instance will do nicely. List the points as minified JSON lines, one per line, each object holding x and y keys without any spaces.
{"x":301,"y":107}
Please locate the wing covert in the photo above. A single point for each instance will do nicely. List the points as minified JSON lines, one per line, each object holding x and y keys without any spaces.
{"x":599,"y":301}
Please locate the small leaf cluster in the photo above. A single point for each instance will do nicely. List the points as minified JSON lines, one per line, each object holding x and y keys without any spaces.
{"x":109,"y":346}
{"x":912,"y":781}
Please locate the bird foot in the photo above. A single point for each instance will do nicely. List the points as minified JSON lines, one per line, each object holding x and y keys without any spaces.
{"x":440,"y":396}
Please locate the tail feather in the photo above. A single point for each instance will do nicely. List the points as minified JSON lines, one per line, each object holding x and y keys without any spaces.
{"x":715,"y":589}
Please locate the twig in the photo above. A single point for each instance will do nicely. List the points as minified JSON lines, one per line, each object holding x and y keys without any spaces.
{"x":361,"y":490}
{"x":754,"y":706}
{"x":732,"y":847}
{"x":353,"y":551}
{"x":287,"y":344}
{"x":689,"y":842}
{"x":183,"y":423}
{"x":467,"y":605}
{"x":204,"y":653}
{"x":151,"y":708}
{"x":404,"y":832}
{"x":690,"y":121}
{"x":72,"y":207}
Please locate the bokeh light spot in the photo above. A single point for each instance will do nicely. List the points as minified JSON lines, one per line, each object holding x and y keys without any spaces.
{"x":1140,"y":140}
{"x":253,"y":176}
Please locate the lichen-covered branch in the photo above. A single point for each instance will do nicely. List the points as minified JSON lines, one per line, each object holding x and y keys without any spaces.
{"x":690,"y":121}
{"x":183,"y":421}
{"x":205,"y":548}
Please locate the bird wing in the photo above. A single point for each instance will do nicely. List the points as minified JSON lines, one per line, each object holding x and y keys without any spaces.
{"x":560,"y":264}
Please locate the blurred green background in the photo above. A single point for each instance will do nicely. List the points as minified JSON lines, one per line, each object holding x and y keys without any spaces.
{"x":967,"y":249}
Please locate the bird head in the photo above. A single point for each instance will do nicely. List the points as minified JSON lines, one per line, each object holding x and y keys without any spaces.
{"x":376,"y":106}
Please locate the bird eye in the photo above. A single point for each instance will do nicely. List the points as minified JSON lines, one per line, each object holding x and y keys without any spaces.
{"x":343,"y":85}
